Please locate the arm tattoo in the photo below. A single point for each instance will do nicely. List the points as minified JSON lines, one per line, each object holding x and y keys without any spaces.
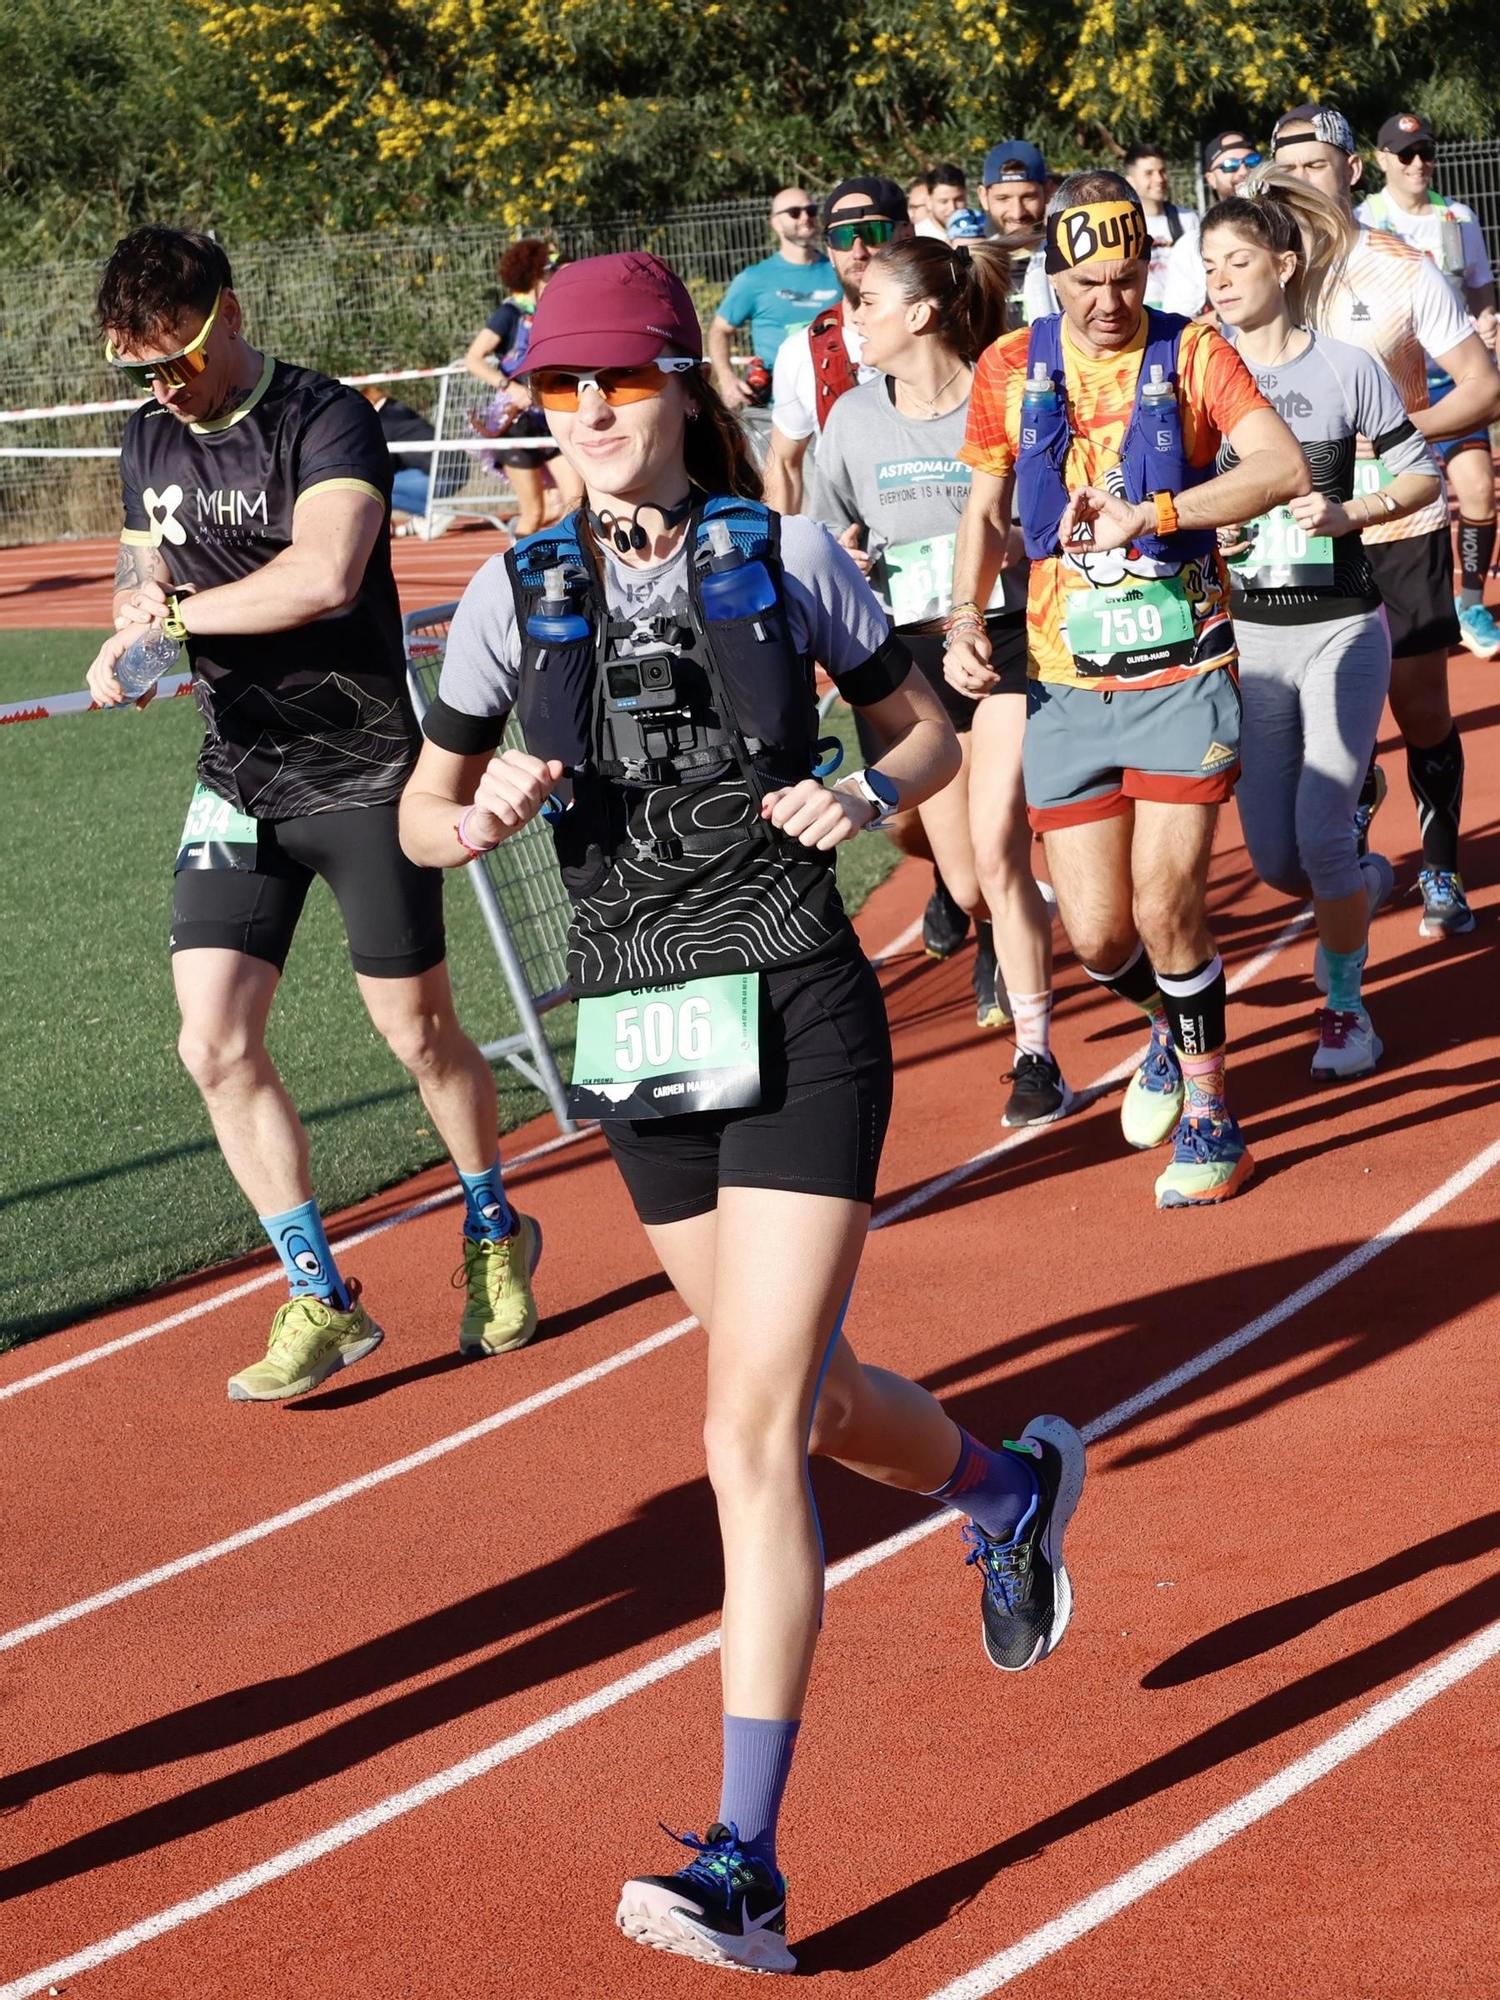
{"x":135,"y":565}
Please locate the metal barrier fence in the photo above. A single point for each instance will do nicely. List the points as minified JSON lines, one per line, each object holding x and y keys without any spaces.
{"x":353,"y":304}
{"x":520,"y":895}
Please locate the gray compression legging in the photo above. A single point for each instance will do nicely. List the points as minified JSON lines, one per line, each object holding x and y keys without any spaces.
{"x":1313,"y":697}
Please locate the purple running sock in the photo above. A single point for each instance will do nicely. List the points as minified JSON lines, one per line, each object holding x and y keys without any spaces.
{"x":757,"y":1761}
{"x":994,"y":1488}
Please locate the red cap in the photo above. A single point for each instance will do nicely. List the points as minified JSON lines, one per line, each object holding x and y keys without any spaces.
{"x":612,"y":312}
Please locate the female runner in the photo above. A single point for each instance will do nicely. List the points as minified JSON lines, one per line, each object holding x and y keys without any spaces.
{"x":888,"y":469}
{"x":1315,"y":652}
{"x":727,"y":871}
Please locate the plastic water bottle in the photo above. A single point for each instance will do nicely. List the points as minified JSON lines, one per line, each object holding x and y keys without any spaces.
{"x":555,"y":622}
{"x":735,"y":587}
{"x":145,"y":660}
{"x":1158,"y":391}
{"x":1039,"y":394}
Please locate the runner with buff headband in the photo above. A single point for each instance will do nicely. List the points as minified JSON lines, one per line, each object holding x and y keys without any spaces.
{"x":1100,"y":427}
{"x":657,"y":648}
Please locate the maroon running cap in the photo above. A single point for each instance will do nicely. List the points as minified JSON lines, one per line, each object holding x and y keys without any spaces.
{"x":612,"y":312}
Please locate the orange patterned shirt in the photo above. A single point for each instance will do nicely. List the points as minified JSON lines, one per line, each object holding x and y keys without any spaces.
{"x":1215,"y":390}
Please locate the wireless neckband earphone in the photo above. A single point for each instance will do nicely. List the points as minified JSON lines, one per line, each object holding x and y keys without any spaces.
{"x":628,"y":535}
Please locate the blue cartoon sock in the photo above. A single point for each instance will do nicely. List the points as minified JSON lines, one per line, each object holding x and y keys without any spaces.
{"x":487,"y":1214}
{"x":299,"y":1241}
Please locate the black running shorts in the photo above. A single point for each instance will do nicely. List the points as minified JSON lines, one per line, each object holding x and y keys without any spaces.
{"x":392,"y":910}
{"x":1007,"y":637}
{"x":825,"y":1061}
{"x":1415,"y":580}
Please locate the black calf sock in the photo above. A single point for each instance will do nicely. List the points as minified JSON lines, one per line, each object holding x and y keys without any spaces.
{"x":1476,"y":551}
{"x":1436,"y":777}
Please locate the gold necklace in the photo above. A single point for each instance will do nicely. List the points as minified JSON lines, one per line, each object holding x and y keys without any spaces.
{"x":933,"y":401}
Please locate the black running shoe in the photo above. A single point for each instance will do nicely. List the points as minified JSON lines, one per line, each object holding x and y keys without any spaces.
{"x":991,"y":1001}
{"x":724,"y":1908}
{"x":1028,"y":1595}
{"x":1038,"y":1094}
{"x":944,"y":924}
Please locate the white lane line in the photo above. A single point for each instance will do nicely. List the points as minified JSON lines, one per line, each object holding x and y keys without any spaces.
{"x":351,"y":1489}
{"x":1222,"y":1827}
{"x":318,"y":1846}
{"x":273,"y":1276}
{"x":258,"y":1283}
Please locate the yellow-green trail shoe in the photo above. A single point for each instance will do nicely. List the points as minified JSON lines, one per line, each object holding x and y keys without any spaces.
{"x":1154,"y":1097}
{"x":500,"y":1312}
{"x":309,"y":1340}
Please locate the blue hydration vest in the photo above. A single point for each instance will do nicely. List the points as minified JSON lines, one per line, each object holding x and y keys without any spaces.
{"x":1152,"y":455}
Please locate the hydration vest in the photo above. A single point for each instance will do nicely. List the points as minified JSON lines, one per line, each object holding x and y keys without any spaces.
{"x":1153,"y":458}
{"x":1450,"y":260}
{"x":833,"y":372}
{"x":748,"y":697}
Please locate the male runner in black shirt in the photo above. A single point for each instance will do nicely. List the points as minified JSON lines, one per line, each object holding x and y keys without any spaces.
{"x":256,"y":504}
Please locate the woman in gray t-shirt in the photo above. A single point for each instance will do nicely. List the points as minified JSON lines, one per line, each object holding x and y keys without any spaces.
{"x":1315,"y":651}
{"x":889,"y":480}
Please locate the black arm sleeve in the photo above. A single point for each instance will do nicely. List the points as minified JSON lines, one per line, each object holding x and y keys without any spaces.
{"x":878,"y":676}
{"x":465,"y":735}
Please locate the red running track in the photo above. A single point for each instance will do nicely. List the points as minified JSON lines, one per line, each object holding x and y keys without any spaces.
{"x":69,"y":584}
{"x":511,"y":1638}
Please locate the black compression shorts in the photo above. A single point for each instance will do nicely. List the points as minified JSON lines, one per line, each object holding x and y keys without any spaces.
{"x":392,"y":910}
{"x":825,"y":1058}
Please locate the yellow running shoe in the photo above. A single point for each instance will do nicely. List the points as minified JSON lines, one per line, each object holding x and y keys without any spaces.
{"x":500,"y":1312}
{"x":1154,"y":1097}
{"x":309,"y":1340}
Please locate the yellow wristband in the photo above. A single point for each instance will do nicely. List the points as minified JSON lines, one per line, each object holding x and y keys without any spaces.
{"x":172,"y":624}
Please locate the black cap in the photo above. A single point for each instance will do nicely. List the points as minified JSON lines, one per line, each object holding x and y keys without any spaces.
{"x":1402,"y":130}
{"x":883,"y":196}
{"x":1221,"y":143}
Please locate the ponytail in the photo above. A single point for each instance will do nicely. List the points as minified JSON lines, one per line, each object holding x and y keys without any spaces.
{"x":1282,"y":213}
{"x":967,"y":284}
{"x":715,"y":449}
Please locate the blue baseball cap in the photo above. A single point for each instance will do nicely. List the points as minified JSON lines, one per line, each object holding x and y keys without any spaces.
{"x":1013,"y":160}
{"x":966,"y":225}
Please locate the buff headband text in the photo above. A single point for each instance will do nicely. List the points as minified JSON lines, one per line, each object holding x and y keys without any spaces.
{"x":1097,"y":232}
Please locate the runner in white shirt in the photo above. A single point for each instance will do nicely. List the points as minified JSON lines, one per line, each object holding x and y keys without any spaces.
{"x":1398,"y":306}
{"x":947,"y":193}
{"x":1448,"y":233}
{"x":810,"y":375}
{"x":1145,"y":167}
{"x":1228,"y":160}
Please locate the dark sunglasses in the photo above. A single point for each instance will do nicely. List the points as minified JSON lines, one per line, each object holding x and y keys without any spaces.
{"x":1421,"y":151}
{"x":872,"y":232}
{"x":1232,"y":162}
{"x":811,"y":209}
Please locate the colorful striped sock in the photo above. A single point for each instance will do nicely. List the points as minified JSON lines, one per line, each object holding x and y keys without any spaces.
{"x":1031,"y":1016}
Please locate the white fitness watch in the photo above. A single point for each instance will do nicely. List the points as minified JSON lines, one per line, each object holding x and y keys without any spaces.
{"x":877,"y":790}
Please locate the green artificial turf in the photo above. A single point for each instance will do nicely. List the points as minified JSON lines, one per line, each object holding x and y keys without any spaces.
{"x":110,"y":1181}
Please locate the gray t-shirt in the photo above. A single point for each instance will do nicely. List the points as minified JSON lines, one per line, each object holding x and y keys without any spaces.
{"x":1329,"y":396}
{"x":834,"y":618}
{"x":900,"y":479}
